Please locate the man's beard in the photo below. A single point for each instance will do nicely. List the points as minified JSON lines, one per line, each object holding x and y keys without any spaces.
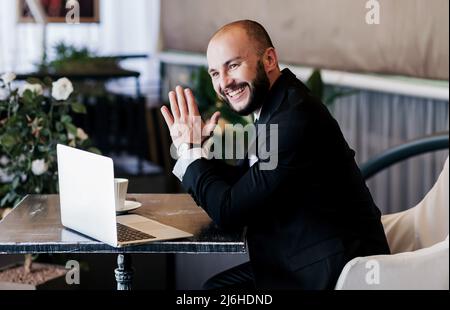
{"x":259,"y":88}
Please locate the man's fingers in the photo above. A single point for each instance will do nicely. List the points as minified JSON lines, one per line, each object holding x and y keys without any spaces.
{"x":192,"y":105}
{"x":211,"y":124}
{"x":215,"y":118}
{"x":181,"y":101}
{"x":174,"y":105}
{"x":167,"y":116}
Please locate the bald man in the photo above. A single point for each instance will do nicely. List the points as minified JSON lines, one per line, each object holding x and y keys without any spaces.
{"x":312,"y":213}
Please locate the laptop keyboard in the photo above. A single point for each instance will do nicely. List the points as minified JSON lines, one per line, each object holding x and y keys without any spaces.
{"x":125,"y":233}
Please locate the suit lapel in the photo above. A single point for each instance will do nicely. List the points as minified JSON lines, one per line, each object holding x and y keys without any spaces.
{"x":270,"y":106}
{"x":275,"y":96}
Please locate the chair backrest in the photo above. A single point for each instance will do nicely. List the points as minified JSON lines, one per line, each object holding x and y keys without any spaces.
{"x":423,"y":225}
{"x":431,"y":214}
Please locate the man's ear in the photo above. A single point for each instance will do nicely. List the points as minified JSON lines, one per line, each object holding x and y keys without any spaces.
{"x":270,"y":59}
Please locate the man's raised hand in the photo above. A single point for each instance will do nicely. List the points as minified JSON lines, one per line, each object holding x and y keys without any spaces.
{"x":184,"y":120}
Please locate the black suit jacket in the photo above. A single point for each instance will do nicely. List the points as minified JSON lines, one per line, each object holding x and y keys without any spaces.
{"x":309,"y":216}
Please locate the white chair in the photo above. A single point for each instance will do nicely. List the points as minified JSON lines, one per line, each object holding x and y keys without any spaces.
{"x":418,"y":239}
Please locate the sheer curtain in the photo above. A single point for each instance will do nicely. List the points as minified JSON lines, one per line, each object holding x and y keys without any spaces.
{"x":126,"y":27}
{"x":373,"y":122}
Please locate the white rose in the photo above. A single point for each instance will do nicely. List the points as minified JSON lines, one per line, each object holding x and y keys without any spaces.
{"x":34,"y":88}
{"x":4,"y":177}
{"x":4,"y":93}
{"x":8,"y":77}
{"x":70,"y":136}
{"x":4,"y":160}
{"x":22,"y":158}
{"x":81,"y":134}
{"x":62,"y":89}
{"x":39,"y":166}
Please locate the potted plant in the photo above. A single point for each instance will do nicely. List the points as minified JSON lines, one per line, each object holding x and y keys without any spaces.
{"x":70,"y":59}
{"x":327,"y":94}
{"x":33,"y":120}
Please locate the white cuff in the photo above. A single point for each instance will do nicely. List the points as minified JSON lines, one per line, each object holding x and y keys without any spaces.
{"x":189,"y":156}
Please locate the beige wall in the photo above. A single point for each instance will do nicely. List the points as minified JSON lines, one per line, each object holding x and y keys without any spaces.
{"x":412,"y":37}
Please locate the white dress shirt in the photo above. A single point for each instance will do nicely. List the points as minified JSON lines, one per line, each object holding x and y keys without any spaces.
{"x":189,"y":156}
{"x":252,"y":158}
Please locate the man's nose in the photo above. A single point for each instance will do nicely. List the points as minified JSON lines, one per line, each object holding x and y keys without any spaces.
{"x":226,"y":81}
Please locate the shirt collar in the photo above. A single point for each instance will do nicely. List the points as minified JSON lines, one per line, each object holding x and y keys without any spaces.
{"x":275,"y":96}
{"x":256,"y":114}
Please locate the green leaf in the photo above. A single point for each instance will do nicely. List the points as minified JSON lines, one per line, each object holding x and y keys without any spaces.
{"x":5,"y":200}
{"x":95,"y":150}
{"x":59,"y":126}
{"x":32,"y":80}
{"x":8,"y":140}
{"x":71,"y":129}
{"x":45,"y":132}
{"x":315,"y":84}
{"x":78,"y":108}
{"x":15,"y":182}
{"x":27,"y":97}
{"x":66,"y":119}
{"x":43,"y":149}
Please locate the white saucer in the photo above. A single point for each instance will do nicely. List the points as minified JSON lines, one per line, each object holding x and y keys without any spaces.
{"x":129,"y":206}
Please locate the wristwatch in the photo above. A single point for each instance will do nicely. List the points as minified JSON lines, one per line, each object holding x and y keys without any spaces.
{"x":183,"y":147}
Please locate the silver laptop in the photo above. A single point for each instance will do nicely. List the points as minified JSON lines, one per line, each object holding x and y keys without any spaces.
{"x":87,"y":200}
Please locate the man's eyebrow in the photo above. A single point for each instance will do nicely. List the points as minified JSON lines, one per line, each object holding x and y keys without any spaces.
{"x":210,"y":70}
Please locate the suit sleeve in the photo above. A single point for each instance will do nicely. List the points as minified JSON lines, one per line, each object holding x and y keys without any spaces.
{"x":231,"y":204}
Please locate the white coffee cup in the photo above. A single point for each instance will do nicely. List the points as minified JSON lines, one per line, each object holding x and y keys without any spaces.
{"x":120,"y":192}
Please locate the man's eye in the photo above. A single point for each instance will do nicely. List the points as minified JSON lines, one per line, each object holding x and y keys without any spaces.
{"x":233,"y":66}
{"x":214,"y":75}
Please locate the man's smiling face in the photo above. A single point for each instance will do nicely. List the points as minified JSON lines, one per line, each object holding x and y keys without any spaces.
{"x":237,"y":71}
